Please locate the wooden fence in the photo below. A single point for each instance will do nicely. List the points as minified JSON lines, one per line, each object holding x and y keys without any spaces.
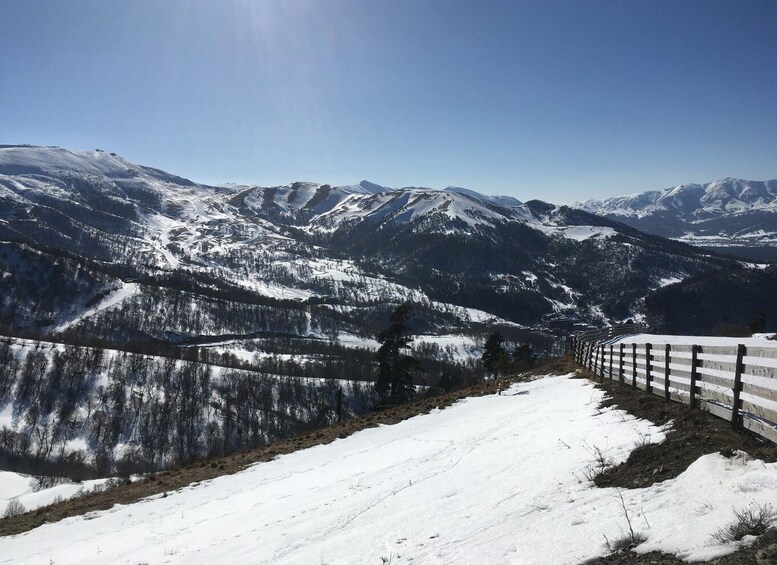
{"x":738,"y":383}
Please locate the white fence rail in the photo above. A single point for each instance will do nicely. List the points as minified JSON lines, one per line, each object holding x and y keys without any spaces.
{"x":738,"y":383}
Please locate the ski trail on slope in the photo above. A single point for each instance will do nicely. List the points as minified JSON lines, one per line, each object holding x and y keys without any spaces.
{"x":119,"y":295}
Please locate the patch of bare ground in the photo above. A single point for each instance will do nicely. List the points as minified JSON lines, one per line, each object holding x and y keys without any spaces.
{"x":693,"y":433}
{"x":762,"y":552}
{"x":203,"y":470}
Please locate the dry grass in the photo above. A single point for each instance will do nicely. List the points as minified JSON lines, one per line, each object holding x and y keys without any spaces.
{"x":754,"y":520}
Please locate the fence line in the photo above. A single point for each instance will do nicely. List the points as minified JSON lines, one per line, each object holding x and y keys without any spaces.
{"x":737,"y":383}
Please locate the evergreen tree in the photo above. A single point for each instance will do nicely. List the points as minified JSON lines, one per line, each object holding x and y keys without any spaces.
{"x":448,"y":381}
{"x":524,"y":357}
{"x":758,"y":322}
{"x":395,"y":369}
{"x":494,"y":349}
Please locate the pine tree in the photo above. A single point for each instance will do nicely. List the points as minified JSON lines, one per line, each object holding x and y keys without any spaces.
{"x":758,"y":322}
{"x":494,"y":349}
{"x":524,"y":357}
{"x":448,"y":381}
{"x":395,"y":369}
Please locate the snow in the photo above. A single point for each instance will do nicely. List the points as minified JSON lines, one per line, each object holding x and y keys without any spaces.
{"x":720,"y":197}
{"x":685,"y":511}
{"x":23,"y":488}
{"x":758,"y":340}
{"x":458,"y":347}
{"x":125,"y":291}
{"x":279,"y":291}
{"x":54,"y":159}
{"x":576,"y":233}
{"x":498,"y":200}
{"x":666,"y":281}
{"x":408,"y":204}
{"x":581,"y":233}
{"x":473,"y":314}
{"x":496,"y":479}
{"x":164,"y":225}
{"x":355,"y":341}
{"x":6,"y":415}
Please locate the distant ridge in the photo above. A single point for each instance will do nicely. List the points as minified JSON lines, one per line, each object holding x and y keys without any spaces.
{"x":732,"y":215}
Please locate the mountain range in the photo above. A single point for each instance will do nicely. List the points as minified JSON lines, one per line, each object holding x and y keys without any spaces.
{"x":122,"y":244}
{"x":730,"y":215}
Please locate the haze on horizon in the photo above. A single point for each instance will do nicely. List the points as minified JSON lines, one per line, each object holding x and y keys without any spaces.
{"x":559,"y":100}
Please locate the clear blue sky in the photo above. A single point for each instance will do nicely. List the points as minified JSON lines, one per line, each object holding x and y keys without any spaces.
{"x":545,"y":99}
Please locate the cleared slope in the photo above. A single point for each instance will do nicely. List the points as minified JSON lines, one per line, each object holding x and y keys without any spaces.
{"x":490,"y":480}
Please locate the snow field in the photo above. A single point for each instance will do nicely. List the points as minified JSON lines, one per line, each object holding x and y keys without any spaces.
{"x":497,"y":479}
{"x":23,"y":488}
{"x":577,"y":233}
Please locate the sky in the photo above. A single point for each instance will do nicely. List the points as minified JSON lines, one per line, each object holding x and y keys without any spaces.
{"x":557,"y":100}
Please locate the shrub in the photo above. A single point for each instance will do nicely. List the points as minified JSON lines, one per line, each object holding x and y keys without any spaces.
{"x":14,"y":508}
{"x":628,"y":540}
{"x":751,"y":521}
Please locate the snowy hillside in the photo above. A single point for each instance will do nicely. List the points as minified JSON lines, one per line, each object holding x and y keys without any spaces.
{"x":731,"y":214}
{"x":496,"y":479}
{"x":85,"y":412}
{"x":27,"y":490}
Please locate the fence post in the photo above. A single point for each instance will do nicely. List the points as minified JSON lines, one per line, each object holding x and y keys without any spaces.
{"x":648,"y":375}
{"x":574,"y":348}
{"x":620,"y":364}
{"x":694,"y":373}
{"x":591,"y":353}
{"x":611,"y":346}
{"x":634,"y":365}
{"x":666,"y":371}
{"x":601,"y":360}
{"x":590,"y":356}
{"x":737,"y":385}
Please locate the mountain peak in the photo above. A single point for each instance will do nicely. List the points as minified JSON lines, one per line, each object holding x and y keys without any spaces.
{"x":372,"y":187}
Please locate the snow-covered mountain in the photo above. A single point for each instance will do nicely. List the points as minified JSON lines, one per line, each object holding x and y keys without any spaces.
{"x":736,"y":216}
{"x":468,"y":256}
